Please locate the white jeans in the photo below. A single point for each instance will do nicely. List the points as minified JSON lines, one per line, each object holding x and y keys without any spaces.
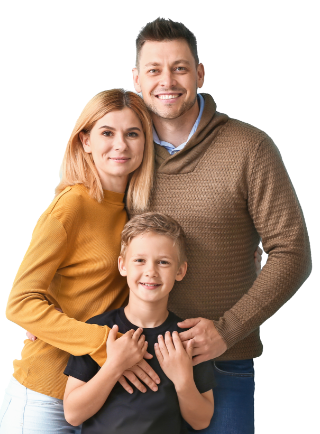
{"x":24,"y":411}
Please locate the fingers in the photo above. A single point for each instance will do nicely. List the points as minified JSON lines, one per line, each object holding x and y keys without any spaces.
{"x":187,"y":323}
{"x":158,"y":353}
{"x":131,"y":376}
{"x":169,"y":343}
{"x":31,"y":336}
{"x":125,"y":384}
{"x":113,"y":334}
{"x":136,"y":335}
{"x":177,"y":341}
{"x":189,"y":348}
{"x":141,"y":375}
{"x":147,"y":355}
{"x":186,"y":336}
{"x":199,"y":359}
{"x":142,"y":341}
{"x":148,"y":370}
{"x":162,"y":346}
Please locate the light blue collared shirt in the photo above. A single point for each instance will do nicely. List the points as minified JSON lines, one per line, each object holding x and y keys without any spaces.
{"x":172,"y":149}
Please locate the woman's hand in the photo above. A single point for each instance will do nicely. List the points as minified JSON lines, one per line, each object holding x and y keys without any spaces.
{"x":126,"y":351}
{"x":141,"y":371}
{"x":33,"y":337}
{"x":175,"y":361}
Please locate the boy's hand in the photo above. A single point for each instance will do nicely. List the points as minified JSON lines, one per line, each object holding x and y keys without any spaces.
{"x":175,"y":361}
{"x":127,"y":350}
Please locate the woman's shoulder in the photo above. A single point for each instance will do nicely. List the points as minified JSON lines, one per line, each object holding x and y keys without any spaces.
{"x":69,"y":202}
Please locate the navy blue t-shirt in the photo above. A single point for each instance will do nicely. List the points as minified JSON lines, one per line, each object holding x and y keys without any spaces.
{"x":138,"y":413}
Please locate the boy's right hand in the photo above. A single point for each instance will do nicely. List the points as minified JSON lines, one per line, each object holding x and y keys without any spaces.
{"x":126,"y":351}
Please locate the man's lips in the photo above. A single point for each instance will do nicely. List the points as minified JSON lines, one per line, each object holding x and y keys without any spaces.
{"x":172,"y":96}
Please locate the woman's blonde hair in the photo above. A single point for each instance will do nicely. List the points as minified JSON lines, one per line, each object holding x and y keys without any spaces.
{"x":78,"y":166}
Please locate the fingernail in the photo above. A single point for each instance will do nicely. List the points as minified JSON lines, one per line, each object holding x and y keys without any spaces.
{"x":130,"y":391}
{"x":158,"y":381}
{"x":160,"y":336}
{"x":144,"y":390}
{"x":154,"y":389}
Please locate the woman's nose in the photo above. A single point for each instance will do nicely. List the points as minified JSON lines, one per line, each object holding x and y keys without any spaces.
{"x":120,"y":143}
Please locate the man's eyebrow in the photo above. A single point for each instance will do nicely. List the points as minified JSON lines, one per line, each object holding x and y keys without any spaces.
{"x":113,"y":129}
{"x":176,"y":62}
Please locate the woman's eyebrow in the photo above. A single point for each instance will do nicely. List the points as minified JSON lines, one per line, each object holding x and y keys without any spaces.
{"x":111,"y":128}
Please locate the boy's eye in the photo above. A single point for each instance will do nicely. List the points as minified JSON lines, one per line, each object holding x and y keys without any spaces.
{"x":139,"y":260}
{"x":163,"y":262}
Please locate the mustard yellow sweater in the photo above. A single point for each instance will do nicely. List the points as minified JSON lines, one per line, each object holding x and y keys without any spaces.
{"x":71,"y":263}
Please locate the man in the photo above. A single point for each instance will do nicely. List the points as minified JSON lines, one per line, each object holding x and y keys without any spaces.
{"x":225,"y":183}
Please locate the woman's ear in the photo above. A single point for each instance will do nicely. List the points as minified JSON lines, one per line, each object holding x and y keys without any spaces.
{"x":121,"y":266}
{"x":181,"y":271}
{"x":85,"y":140}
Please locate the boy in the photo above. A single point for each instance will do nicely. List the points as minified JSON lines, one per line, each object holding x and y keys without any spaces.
{"x":152,"y":257}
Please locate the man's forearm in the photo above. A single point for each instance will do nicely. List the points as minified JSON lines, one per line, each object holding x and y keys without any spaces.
{"x":196,"y":409}
{"x":86,"y":400}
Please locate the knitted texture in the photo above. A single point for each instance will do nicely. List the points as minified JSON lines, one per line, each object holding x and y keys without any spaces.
{"x":71,"y":263}
{"x":228,"y":188}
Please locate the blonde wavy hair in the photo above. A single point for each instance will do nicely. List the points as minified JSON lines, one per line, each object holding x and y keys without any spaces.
{"x":78,"y":166}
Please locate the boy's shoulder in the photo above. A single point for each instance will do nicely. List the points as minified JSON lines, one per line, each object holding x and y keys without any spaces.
{"x":105,"y":318}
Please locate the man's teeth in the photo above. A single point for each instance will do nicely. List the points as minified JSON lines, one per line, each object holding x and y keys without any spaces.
{"x":167,"y":96}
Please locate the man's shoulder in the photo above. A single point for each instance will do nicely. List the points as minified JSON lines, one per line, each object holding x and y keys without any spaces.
{"x":239,"y":131}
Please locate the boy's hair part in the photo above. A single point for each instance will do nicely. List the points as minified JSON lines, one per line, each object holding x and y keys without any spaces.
{"x":166,"y":30}
{"x":157,"y":223}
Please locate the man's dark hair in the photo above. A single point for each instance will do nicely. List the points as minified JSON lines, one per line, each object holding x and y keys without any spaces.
{"x":166,"y":30}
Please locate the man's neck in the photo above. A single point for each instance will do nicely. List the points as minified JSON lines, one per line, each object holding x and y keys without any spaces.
{"x":146,"y":314}
{"x":176,"y":131}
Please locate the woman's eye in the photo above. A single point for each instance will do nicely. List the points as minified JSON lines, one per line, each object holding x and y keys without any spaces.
{"x":132,"y":134}
{"x":107,"y":133}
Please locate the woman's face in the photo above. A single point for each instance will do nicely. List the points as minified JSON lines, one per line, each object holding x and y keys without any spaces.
{"x":116,"y":143}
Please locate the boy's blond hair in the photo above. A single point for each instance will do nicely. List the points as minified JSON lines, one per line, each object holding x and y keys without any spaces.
{"x":156,"y":223}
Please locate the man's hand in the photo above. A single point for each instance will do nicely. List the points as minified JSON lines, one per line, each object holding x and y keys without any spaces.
{"x":207,"y":343}
{"x":141,"y":371}
{"x":175,"y":361}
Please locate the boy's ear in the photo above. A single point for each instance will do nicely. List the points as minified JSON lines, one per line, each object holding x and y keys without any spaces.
{"x":121,"y":266}
{"x":182,"y":271}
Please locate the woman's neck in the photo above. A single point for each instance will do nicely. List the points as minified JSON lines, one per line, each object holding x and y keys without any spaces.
{"x":146,"y":314}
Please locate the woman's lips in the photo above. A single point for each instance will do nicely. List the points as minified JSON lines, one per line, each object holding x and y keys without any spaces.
{"x":119,"y":160}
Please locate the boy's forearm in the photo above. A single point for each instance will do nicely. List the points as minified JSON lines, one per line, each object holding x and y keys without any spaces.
{"x":195,"y":408}
{"x":85,"y":401}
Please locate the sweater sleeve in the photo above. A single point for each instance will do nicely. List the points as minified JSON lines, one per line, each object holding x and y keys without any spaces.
{"x":278,"y":218}
{"x":29,"y":306}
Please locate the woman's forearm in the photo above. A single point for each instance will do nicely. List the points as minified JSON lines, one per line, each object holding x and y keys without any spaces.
{"x":86,"y":400}
{"x":195,"y":408}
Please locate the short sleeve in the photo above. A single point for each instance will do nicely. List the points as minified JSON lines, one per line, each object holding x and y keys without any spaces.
{"x":81,"y":367}
{"x":203,"y":375}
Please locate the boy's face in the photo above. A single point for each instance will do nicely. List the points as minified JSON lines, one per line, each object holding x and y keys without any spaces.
{"x":152,"y":265}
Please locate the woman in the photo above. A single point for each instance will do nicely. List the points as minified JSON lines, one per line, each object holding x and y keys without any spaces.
{"x":71,"y":263}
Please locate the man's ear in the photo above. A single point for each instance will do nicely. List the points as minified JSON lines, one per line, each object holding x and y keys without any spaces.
{"x":85,"y":140}
{"x":182,"y":271}
{"x":136,"y":82}
{"x":121,"y":266}
{"x":200,"y":75}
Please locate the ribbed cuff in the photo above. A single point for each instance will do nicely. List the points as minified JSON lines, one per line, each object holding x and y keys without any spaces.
{"x":230,"y":328}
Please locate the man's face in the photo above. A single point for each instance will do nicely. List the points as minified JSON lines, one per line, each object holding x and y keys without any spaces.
{"x":168,"y":77}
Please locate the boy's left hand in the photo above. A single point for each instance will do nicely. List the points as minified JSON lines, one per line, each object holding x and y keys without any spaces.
{"x":175,"y":361}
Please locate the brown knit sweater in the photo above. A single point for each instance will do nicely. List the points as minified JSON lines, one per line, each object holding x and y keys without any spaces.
{"x":229,"y":188}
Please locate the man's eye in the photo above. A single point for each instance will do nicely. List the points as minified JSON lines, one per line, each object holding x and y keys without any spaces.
{"x":152,"y":71}
{"x":180,"y":68}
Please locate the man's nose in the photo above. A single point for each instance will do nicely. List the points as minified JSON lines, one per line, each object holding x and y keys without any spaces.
{"x":167,"y":79}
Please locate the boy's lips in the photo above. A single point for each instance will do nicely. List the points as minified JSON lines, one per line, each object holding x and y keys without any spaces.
{"x":149,"y":285}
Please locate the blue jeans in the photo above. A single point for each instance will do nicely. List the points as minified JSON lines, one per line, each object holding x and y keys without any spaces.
{"x":24,"y":411}
{"x":233,"y":399}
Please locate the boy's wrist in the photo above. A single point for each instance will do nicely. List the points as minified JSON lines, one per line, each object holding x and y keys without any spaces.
{"x":184,"y":385}
{"x":113,"y":367}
